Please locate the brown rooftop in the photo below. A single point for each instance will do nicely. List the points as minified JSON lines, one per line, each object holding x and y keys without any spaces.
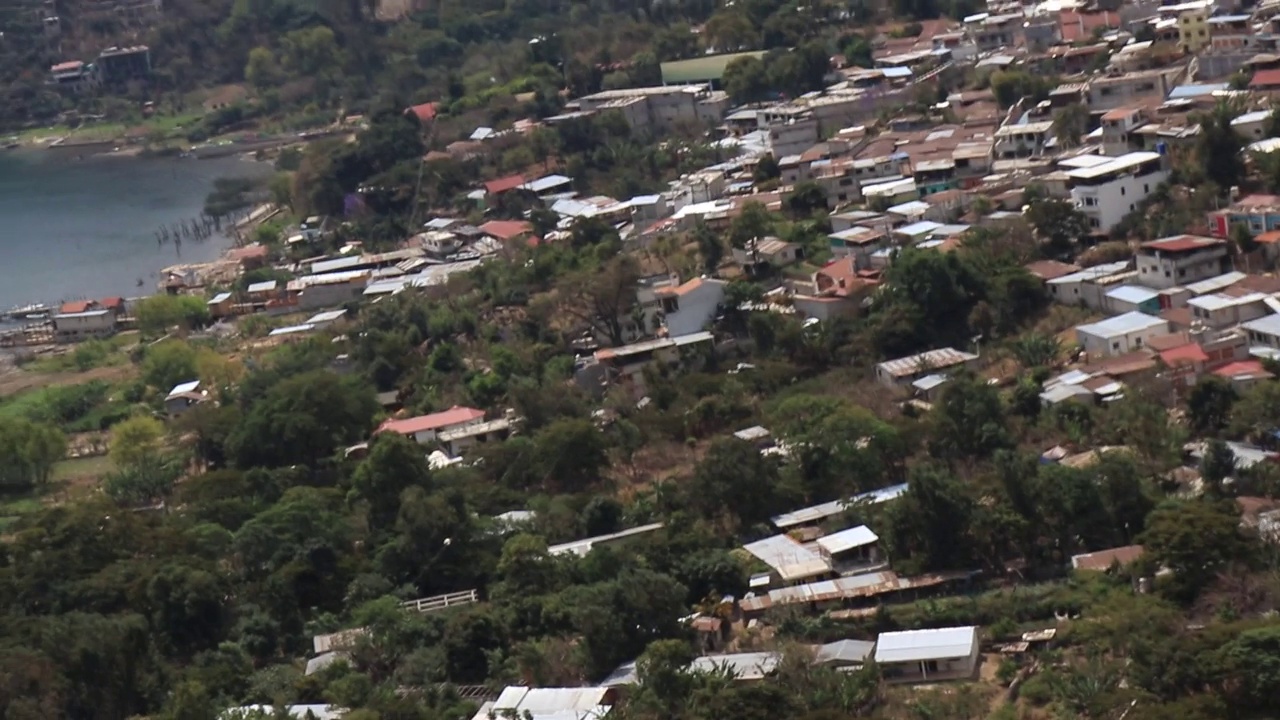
{"x":1103,"y":560}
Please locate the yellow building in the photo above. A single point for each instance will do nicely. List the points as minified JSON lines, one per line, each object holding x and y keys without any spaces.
{"x":1193,"y":30}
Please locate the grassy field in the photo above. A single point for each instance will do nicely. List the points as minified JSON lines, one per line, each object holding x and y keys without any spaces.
{"x":79,"y":471}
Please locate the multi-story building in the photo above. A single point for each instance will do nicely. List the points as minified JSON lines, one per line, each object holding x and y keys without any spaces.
{"x":1025,"y":140}
{"x":657,"y":109}
{"x":1108,"y":191}
{"x":1117,"y":126}
{"x":1181,"y":259}
{"x":1109,"y":93}
{"x":1228,"y":33}
{"x":1260,"y":213}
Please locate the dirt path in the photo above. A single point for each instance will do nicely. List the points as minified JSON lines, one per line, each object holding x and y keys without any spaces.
{"x":14,"y":381}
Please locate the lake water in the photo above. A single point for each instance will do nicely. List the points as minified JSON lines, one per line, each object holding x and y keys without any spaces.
{"x":87,"y":228}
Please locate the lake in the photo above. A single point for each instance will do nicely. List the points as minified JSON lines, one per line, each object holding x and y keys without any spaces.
{"x":87,"y":228}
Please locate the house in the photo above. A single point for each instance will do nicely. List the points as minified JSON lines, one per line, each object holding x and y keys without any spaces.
{"x":1260,"y":213}
{"x":1244,"y":374}
{"x":1265,"y":331}
{"x":578,"y":703}
{"x":507,"y":230}
{"x":439,"y":243}
{"x":853,"y":550}
{"x":457,"y":440}
{"x":928,"y":655}
{"x":183,"y":396}
{"x":626,"y":363}
{"x":660,"y":108}
{"x":220,"y":306}
{"x":1181,"y":259}
{"x":1108,"y":191}
{"x":1120,"y":334}
{"x":1221,"y":310}
{"x":1133,"y":298}
{"x":904,"y":371}
{"x":790,"y":562}
{"x":858,"y":242}
{"x":1265,"y":81}
{"x":1111,"y":92}
{"x":261,"y":292}
{"x":691,"y":306}
{"x":84,"y":319}
{"x":1252,"y":125}
{"x":427,"y":428}
{"x":1104,"y":560}
{"x":759,"y":253}
{"x":1117,"y":128}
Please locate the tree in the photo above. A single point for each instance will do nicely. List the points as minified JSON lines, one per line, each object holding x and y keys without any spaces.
{"x":754,"y":222}
{"x":158,"y":313}
{"x":262,"y":70}
{"x":603,"y":298}
{"x":169,"y":363}
{"x":969,"y":421}
{"x":1209,"y":404}
{"x":136,"y":441}
{"x":569,"y":454}
{"x":1070,"y":124}
{"x":930,"y":523}
{"x":302,"y":420}
{"x":394,"y":464}
{"x":1257,"y":412}
{"x":1217,"y":464}
{"x":734,"y":479}
{"x":1218,"y":146}
{"x":746,"y":80}
{"x":805,"y":199}
{"x":28,"y":452}
{"x":1059,"y":223}
{"x":144,"y":481}
{"x":710,"y":246}
{"x":1196,"y":540}
{"x":1035,"y":350}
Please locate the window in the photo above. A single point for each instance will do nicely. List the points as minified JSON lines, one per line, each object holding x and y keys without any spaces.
{"x":1115,"y":346}
{"x":1146,"y":188}
{"x":1182,"y":273}
{"x":1167,"y":274}
{"x":1121,"y":189}
{"x":670,"y":305}
{"x":1137,"y":342}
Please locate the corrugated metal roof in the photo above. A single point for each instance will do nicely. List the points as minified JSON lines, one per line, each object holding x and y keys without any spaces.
{"x":825,"y":510}
{"x":939,"y":359}
{"x":848,"y":539}
{"x":582,"y":547}
{"x":922,"y":645}
{"x":1129,"y":322}
{"x":788,"y":558}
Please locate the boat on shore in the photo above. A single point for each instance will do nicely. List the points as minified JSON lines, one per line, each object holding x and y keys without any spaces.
{"x":34,"y":311}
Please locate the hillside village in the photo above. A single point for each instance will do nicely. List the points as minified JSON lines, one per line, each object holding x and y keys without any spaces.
{"x":947,"y":389}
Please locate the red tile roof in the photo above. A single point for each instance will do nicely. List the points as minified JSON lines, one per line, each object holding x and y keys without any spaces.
{"x":435,"y":421}
{"x":78,"y":306}
{"x":1265,"y":79}
{"x":503,"y":184}
{"x":506,"y":229}
{"x":1050,"y":269}
{"x":248,"y":252}
{"x":426,"y":112}
{"x":1189,"y":353}
{"x":1243,"y":367}
{"x":1183,"y":243}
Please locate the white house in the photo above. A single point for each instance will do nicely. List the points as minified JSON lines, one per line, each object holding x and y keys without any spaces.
{"x":791,"y":562}
{"x":691,"y":306}
{"x":1219,"y":310}
{"x":1264,"y":331}
{"x":427,"y":428}
{"x":1108,"y":191}
{"x":1120,"y":334}
{"x":579,"y":703}
{"x":928,"y":655}
{"x":1086,"y":287}
{"x":853,"y":550}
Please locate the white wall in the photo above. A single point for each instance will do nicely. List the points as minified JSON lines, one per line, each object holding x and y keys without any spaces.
{"x":1098,"y":346}
{"x":1107,"y":204}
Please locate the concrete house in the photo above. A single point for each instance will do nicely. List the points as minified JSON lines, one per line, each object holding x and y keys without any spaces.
{"x":1088,"y":287}
{"x":1181,"y":259}
{"x":84,"y":319}
{"x":1107,"y":191}
{"x":691,"y":306}
{"x":928,"y":655}
{"x":1120,"y":334}
{"x":764,"y":252}
{"x":856,"y":549}
{"x":427,"y":428}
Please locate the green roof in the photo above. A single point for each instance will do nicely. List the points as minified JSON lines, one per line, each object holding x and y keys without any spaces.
{"x":703,"y":69}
